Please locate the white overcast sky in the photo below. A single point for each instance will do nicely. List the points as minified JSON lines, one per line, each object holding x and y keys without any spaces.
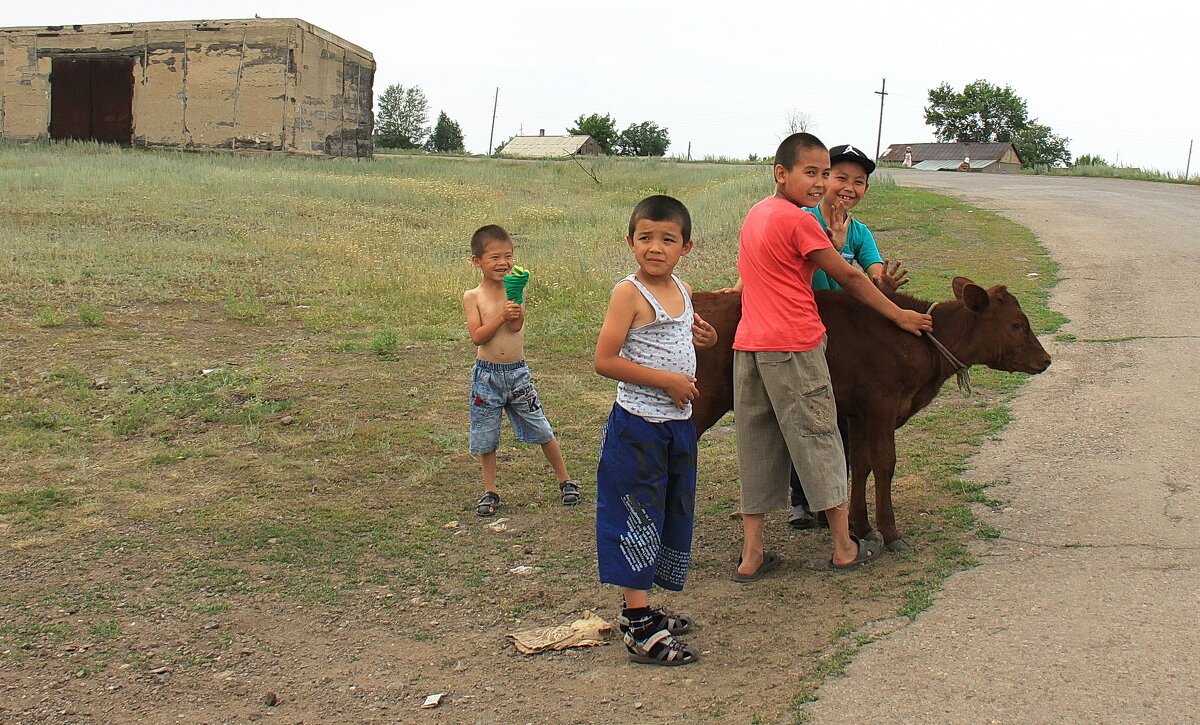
{"x":1119,"y":80}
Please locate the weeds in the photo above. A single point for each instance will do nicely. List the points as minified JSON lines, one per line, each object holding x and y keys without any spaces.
{"x":91,"y":316}
{"x":47,"y":316}
{"x":244,"y":306}
{"x":385,"y":344}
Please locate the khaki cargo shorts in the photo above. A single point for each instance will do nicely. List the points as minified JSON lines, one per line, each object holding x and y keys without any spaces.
{"x":786,"y":416}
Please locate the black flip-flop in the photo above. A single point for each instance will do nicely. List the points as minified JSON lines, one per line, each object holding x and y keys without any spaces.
{"x":770,"y":562}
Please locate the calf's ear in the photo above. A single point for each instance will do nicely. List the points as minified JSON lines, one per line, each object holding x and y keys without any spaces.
{"x":975,"y":298}
{"x":957,"y":285}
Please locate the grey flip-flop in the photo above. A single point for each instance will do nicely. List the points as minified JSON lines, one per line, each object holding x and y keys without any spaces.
{"x":770,"y":562}
{"x":867,"y":551}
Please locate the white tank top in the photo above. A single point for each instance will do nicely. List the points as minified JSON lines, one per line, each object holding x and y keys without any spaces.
{"x":664,"y":344}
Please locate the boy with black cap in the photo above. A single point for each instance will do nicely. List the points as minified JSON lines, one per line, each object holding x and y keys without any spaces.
{"x":849,"y":174}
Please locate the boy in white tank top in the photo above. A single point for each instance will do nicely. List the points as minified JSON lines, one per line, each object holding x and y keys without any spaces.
{"x":646,"y":480}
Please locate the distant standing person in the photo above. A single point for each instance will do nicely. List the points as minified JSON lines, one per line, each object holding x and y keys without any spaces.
{"x":502,"y":382}
{"x":908,"y":156}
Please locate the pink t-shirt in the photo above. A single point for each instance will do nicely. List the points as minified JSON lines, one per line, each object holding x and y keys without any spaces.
{"x":779,"y":312}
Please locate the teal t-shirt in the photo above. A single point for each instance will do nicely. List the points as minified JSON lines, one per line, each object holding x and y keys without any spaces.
{"x":860,"y":247}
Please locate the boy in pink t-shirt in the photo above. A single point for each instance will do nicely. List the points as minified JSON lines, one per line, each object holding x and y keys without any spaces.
{"x":783,"y":400}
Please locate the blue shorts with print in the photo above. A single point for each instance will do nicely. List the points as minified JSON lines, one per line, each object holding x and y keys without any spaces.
{"x":645,"y":501}
{"x":505,"y":387}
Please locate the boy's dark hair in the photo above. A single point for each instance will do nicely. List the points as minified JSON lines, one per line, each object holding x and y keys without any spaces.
{"x":489,"y":233}
{"x":660,"y":208}
{"x":793,"y":146}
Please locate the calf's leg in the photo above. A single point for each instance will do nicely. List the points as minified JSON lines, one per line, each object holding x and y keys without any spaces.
{"x":883,"y":464}
{"x":860,"y":468}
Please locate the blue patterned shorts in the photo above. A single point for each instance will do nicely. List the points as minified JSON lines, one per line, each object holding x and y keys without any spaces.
{"x":645,"y":501}
{"x":506,"y":387}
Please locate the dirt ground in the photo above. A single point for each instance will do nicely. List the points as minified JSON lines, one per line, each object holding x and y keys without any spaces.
{"x":147,"y":606}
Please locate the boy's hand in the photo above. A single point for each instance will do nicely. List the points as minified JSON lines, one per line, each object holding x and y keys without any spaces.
{"x":703,"y":334}
{"x":913,"y":321}
{"x":682,"y":389}
{"x":513,"y":311}
{"x":839,"y":224}
{"x":893,"y":277}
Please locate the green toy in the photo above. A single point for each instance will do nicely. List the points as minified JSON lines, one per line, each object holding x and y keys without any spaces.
{"x":514,"y":284}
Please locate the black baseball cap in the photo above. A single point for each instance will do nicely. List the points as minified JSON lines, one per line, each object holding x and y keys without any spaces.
{"x":846,"y":152}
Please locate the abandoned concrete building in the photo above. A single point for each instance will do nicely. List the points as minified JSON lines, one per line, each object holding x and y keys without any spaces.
{"x":267,"y":84}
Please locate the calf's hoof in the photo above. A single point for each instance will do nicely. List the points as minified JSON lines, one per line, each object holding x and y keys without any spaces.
{"x":898,"y":545}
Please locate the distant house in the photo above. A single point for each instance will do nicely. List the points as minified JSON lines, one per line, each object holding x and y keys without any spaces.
{"x":990,"y":158}
{"x":551,"y":147}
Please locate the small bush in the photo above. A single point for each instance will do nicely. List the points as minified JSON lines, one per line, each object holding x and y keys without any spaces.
{"x":47,"y":316}
{"x":385,"y":344}
{"x":91,"y":316}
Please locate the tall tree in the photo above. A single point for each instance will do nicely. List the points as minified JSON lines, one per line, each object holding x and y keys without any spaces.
{"x":1039,"y":146}
{"x":602,"y":128}
{"x":982,"y":112}
{"x":402,"y":117}
{"x":447,"y":136}
{"x":643,"y":139}
{"x":986,"y":113}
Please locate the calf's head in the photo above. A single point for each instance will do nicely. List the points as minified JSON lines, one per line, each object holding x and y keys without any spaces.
{"x":1002,"y":337}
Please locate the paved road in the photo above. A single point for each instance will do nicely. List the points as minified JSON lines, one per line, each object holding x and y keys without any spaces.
{"x":1087,"y":610}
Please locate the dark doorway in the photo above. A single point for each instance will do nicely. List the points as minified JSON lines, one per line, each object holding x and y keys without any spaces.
{"x":92,"y":99}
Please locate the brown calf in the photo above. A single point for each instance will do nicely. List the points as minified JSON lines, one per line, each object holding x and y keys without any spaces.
{"x":881,"y":374}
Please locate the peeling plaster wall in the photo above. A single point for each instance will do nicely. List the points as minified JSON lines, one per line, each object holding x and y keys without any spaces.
{"x":281,"y":85}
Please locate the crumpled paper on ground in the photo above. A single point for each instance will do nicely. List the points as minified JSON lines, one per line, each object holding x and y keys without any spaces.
{"x":588,"y":631}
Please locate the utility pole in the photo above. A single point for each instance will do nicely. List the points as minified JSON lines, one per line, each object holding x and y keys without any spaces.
{"x":879,"y":135}
{"x":492,"y":133}
{"x":1187,"y":172}
{"x":690,"y":152}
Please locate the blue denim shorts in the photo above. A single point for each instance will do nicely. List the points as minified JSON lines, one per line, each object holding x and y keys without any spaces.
{"x":645,"y":501}
{"x":505,"y":387}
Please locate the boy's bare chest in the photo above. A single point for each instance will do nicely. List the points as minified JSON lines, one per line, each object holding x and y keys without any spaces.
{"x":490,"y":304}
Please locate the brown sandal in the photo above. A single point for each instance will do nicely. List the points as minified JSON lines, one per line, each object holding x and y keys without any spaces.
{"x":487,"y":503}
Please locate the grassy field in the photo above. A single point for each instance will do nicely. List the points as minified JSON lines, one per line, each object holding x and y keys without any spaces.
{"x":235,"y":386}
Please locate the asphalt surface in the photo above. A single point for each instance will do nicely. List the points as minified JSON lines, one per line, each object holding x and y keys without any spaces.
{"x":1087,"y":609}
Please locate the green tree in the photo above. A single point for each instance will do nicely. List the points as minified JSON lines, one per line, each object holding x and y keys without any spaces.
{"x":982,"y":112}
{"x":1037,"y":145}
{"x":402,"y":117}
{"x":602,"y":128}
{"x":1090,"y":160}
{"x":500,"y":146}
{"x":643,"y":139}
{"x":447,"y":136}
{"x":987,"y":113}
